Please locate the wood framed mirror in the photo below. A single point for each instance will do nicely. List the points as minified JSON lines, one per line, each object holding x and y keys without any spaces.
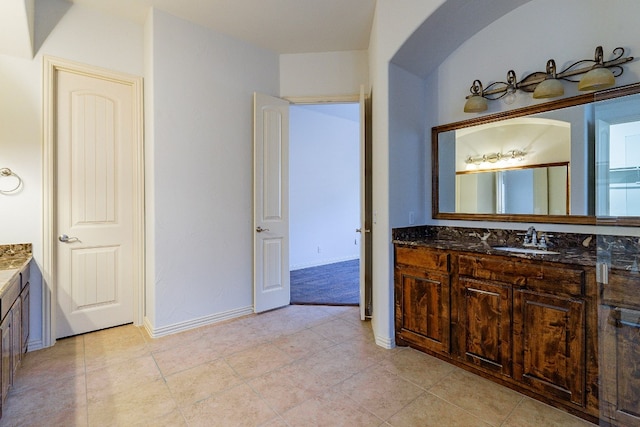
{"x":594,"y":136}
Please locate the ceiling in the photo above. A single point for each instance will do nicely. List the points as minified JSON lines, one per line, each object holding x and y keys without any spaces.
{"x":283,"y":26}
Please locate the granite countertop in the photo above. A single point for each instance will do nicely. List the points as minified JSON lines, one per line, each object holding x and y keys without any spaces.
{"x":619,"y":252}
{"x":13,"y":258}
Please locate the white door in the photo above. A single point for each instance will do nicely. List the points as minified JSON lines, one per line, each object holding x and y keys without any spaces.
{"x":271,"y":203}
{"x":95,"y":199}
{"x":365,"y":206}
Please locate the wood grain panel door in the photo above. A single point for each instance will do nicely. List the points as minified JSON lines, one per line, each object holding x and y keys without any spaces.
{"x":486,"y":320}
{"x":425,"y":311}
{"x":556,"y":367}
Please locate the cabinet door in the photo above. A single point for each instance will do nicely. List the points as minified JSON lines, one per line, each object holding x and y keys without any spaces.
{"x":424,"y":311}
{"x":485,"y":314}
{"x":26,"y":302}
{"x":16,"y":336}
{"x":549,"y":343}
{"x":6,"y":354}
{"x":620,"y":368}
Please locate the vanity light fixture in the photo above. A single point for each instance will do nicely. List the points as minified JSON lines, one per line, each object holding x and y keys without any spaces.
{"x":598,"y":74}
{"x":511,"y":155}
{"x":551,"y":87}
{"x":598,"y":77}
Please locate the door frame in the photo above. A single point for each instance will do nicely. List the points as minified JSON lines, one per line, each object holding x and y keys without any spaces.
{"x":365,"y":306}
{"x":51,"y":67}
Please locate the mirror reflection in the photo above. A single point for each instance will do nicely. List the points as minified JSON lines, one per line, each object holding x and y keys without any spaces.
{"x":618,"y":157}
{"x":515,"y":166}
{"x":539,"y":190}
{"x":587,"y":147}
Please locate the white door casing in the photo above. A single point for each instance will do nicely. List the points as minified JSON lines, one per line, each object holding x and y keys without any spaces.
{"x":271,"y":203}
{"x":93,"y":154}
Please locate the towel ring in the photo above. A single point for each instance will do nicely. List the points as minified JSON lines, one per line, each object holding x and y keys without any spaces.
{"x":5,"y":173}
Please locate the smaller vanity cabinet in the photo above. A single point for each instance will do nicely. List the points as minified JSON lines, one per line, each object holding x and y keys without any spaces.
{"x":620,"y":348}
{"x":422,"y":293}
{"x":14,"y":312}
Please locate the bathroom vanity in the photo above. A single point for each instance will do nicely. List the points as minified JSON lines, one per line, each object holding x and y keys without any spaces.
{"x":560,"y":326}
{"x":14,"y":311}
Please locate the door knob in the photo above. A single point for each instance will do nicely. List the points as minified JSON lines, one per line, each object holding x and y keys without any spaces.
{"x":66,"y":239}
{"x":260,"y":229}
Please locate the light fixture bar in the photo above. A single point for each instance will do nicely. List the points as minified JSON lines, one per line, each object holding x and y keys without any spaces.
{"x":536,"y":78}
{"x":497,"y":90}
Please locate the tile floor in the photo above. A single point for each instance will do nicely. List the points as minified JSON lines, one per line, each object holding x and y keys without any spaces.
{"x":296,"y":366}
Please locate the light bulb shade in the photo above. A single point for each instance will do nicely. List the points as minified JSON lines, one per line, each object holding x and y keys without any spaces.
{"x":475,"y":104}
{"x":598,"y":78}
{"x":549,"y":88}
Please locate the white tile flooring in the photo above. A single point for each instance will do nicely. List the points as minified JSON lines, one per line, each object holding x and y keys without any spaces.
{"x":296,"y":366}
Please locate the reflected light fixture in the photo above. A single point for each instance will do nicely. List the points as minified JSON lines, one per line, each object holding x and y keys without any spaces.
{"x":598,"y":74}
{"x":511,"y":155}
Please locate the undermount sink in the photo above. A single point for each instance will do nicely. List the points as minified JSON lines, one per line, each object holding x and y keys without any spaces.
{"x":525,"y":250}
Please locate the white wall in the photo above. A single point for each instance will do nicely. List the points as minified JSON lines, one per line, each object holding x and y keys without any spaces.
{"x":324,"y":192}
{"x":203,"y":85}
{"x":82,"y":35}
{"x":324,"y":74}
{"x":584,"y":24}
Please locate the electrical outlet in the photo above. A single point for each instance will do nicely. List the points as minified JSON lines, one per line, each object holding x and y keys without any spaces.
{"x":412,"y":218}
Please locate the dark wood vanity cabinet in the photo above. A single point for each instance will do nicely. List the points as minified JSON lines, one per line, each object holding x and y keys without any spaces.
{"x":620,"y":348}
{"x":528,"y":324}
{"x":422,"y":289}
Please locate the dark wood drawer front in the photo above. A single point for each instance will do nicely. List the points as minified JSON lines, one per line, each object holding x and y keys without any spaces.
{"x":623,"y":289}
{"x":524,"y":274}
{"x":423,"y":258}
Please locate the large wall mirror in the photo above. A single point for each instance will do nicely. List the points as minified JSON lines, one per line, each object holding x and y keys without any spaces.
{"x":574,"y":160}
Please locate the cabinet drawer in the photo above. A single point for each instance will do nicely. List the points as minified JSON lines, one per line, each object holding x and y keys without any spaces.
{"x":24,"y":277}
{"x":524,"y":273}
{"x":9,"y":296}
{"x":423,"y":258}
{"x":623,"y":289}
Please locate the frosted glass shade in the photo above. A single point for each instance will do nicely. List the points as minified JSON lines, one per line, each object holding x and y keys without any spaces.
{"x":549,"y":88}
{"x":475,"y":104}
{"x":598,"y":78}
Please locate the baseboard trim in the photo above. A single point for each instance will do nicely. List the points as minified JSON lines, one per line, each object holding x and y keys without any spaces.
{"x":385,"y":342}
{"x":322,"y":262}
{"x":34,"y":345}
{"x":195,"y":323}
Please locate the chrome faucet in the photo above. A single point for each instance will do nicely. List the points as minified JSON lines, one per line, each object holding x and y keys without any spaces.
{"x":531,"y":239}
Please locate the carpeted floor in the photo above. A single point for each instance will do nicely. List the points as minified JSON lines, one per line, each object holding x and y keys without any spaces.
{"x":331,"y":284}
